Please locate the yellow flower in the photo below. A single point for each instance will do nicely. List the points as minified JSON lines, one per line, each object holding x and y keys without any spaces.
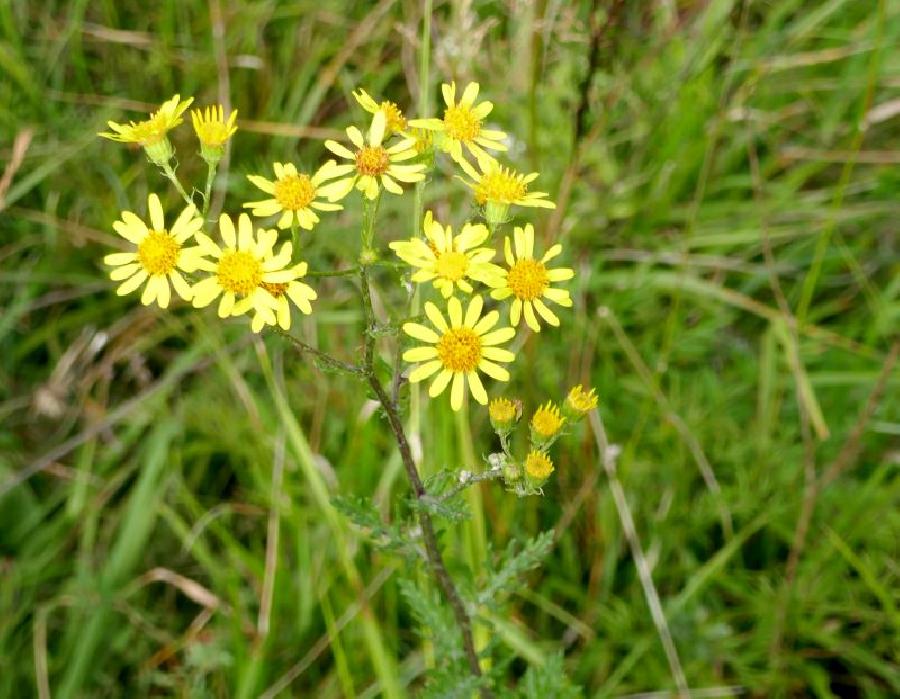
{"x":461,"y":125}
{"x":241,"y":267}
{"x":459,"y":350}
{"x":396,"y":122}
{"x":450,"y":261}
{"x":503,"y":412}
{"x":580,"y":401}
{"x":373,"y":163}
{"x":296,"y":194}
{"x":151,"y":133}
{"x":538,"y":468}
{"x":298,"y":292}
{"x":496,"y":188}
{"x":528,"y":280}
{"x":212,"y":130}
{"x":159,"y":254}
{"x":546,"y":422}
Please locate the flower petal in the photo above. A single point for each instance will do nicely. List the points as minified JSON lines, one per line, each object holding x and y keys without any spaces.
{"x":495,"y":371}
{"x":477,"y":388}
{"x":454,"y":311}
{"x":473,"y":313}
{"x":420,"y":354}
{"x":157,"y":219}
{"x":423,"y":371}
{"x":457,"y":391}
{"x":226,"y":230}
{"x":420,"y":332}
{"x":498,"y":337}
{"x":440,"y":383}
{"x":435,"y":316}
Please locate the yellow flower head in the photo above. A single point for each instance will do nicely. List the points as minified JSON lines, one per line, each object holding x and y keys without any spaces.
{"x":462,"y":125}
{"x":296,"y":195}
{"x":580,"y":401}
{"x":396,"y":122}
{"x":374,"y":166}
{"x":528,"y":281}
{"x":538,"y":467}
{"x":298,"y":292}
{"x":213,"y":130}
{"x":450,"y":261}
{"x":239,"y":270}
{"x":158,"y":256}
{"x":151,"y":133}
{"x":459,"y":349}
{"x":547,"y":421}
{"x":503,"y":413}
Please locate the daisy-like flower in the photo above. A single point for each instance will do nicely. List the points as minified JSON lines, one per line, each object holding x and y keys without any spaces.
{"x":528,"y":281}
{"x":459,"y":350}
{"x":151,"y":134}
{"x":298,"y":292}
{"x":213,"y":130}
{"x":159,"y":256}
{"x":396,"y":122}
{"x":296,"y":195}
{"x":462,"y":125}
{"x":241,"y":267}
{"x":450,"y":261}
{"x":374,"y":166}
{"x":496,"y":188}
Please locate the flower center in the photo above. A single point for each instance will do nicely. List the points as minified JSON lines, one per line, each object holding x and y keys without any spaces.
{"x":158,"y":253}
{"x":452,"y":265}
{"x":500,"y":185}
{"x":395,"y":120}
{"x":461,"y":123}
{"x":502,"y":410}
{"x":239,"y":272}
{"x":277,"y":290}
{"x":372,"y":160}
{"x":459,"y":350}
{"x":294,"y":192}
{"x":527,"y":279}
{"x":212,"y":133}
{"x":538,"y":465}
{"x":151,"y":131}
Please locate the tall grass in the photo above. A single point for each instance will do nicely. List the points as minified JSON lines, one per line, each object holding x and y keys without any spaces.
{"x":727,"y":178}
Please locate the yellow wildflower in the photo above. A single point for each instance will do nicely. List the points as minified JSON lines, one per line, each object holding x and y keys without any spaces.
{"x":462,"y":125}
{"x":297,"y":195}
{"x":503,"y":413}
{"x":496,"y":188}
{"x":459,"y":350}
{"x":528,"y":280}
{"x":298,"y":292}
{"x":538,"y":468}
{"x":151,"y":133}
{"x":450,"y":261}
{"x":580,"y":401}
{"x":240,"y":268}
{"x":373,"y":163}
{"x":395,"y":121}
{"x":213,"y":131}
{"x":546,"y":422}
{"x":158,"y":256}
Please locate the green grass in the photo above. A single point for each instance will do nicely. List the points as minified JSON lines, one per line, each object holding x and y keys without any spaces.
{"x":133,"y":561}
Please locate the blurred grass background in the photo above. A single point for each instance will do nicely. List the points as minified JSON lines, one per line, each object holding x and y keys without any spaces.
{"x":727,"y":181}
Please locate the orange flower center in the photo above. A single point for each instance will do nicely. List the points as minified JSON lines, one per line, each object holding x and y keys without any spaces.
{"x":294,"y":192}
{"x":527,"y":279}
{"x":158,"y":253}
{"x":372,"y":160}
{"x":459,"y":350}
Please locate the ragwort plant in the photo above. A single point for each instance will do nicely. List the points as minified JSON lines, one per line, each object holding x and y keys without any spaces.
{"x":250,"y":266}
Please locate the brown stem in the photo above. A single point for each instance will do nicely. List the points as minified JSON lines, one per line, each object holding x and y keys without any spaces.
{"x":433,"y":552}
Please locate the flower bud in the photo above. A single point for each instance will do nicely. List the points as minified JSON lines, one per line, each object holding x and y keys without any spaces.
{"x":546,"y":424}
{"x":538,"y":468}
{"x":160,"y":151}
{"x":579,"y":402}
{"x":504,"y":414}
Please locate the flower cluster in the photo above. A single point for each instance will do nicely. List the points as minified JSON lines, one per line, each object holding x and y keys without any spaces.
{"x":547,"y":424}
{"x":250,"y":271}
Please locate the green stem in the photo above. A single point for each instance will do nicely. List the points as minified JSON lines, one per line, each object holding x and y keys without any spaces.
{"x":173,"y":178}
{"x":211,"y":168}
{"x":295,"y":235}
